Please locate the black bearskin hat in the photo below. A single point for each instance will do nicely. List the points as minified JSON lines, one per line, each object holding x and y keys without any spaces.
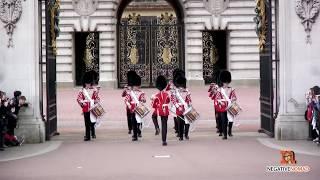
{"x":215,"y":76}
{"x":161,"y":82}
{"x":316,"y":90}
{"x":137,"y":80}
{"x":17,"y":93}
{"x":225,"y":77}
{"x":178,"y":72}
{"x":181,"y":81}
{"x":94,"y":76}
{"x":86,"y":79}
{"x":130,"y":77}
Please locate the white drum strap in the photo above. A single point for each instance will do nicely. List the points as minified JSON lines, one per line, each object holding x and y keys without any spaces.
{"x":226,"y":97}
{"x":85,"y":92}
{"x":178,"y":95}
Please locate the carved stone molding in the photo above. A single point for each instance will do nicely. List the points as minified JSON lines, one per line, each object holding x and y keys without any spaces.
{"x":296,"y":104}
{"x":10,"y":13}
{"x":85,"y":7}
{"x":215,"y":7}
{"x":308,"y":11}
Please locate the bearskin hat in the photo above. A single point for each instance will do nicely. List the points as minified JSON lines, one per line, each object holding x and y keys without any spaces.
{"x":181,"y":81}
{"x":137,"y":80}
{"x":130,"y":77}
{"x":225,"y":77}
{"x":94,"y":76}
{"x":316,"y":90}
{"x":161,"y":82}
{"x":86,"y":79}
{"x":215,"y":76}
{"x":17,"y":93}
{"x":178,"y":72}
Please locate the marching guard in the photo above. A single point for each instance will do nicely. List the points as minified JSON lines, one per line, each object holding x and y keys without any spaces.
{"x":87,"y":98}
{"x":171,"y":88}
{"x":160,"y":103}
{"x":126,"y":90}
{"x":224,"y":96}
{"x":212,"y":90}
{"x":181,"y":99}
{"x":135,"y":98}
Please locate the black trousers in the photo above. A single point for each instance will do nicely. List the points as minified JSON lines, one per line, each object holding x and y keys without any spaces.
{"x":183,"y":128}
{"x":218,"y":121}
{"x":89,"y":125}
{"x":135,"y":125}
{"x":155,"y":121}
{"x":12,"y":124}
{"x":176,"y":124}
{"x":223,"y":123}
{"x":129,"y":120}
{"x":164,"y":127}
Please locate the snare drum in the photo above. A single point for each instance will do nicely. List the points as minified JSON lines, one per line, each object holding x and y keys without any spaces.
{"x":234,"y":109}
{"x":97,"y":110}
{"x":191,"y":115}
{"x":142,"y":110}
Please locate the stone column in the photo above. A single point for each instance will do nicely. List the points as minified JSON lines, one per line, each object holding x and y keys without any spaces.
{"x":299,"y":70}
{"x":19,"y":70}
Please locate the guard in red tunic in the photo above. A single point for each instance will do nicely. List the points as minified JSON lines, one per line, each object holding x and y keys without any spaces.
{"x":171,"y":88}
{"x":161,"y":103}
{"x":126,"y":90}
{"x":87,"y":97}
{"x":213,"y":88}
{"x":181,"y":99}
{"x":132,"y":99}
{"x":223,"y":97}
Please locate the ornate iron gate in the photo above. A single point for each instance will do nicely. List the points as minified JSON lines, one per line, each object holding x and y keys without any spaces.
{"x":264,"y":30}
{"x":87,"y":54}
{"x":214,"y":48}
{"x":151,"y":46}
{"x":52,"y":30}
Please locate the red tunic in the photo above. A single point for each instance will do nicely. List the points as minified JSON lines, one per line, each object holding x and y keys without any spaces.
{"x":131,"y":103}
{"x":153,"y":97}
{"x":212,"y":89}
{"x":220,"y":103}
{"x":83,"y":100}
{"x":161,"y":102}
{"x":186,"y":96}
{"x":125,"y":91}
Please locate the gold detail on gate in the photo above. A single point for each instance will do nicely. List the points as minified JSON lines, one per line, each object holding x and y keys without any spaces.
{"x":165,"y":18}
{"x":166,"y":55}
{"x":261,"y":23}
{"x":90,"y":57}
{"x":133,"y":19}
{"x":54,"y":12}
{"x":214,"y":56}
{"x":134,"y":55}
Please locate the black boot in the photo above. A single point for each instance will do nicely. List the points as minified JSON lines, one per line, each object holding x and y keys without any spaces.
{"x":230,"y":128}
{"x":157,"y":131}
